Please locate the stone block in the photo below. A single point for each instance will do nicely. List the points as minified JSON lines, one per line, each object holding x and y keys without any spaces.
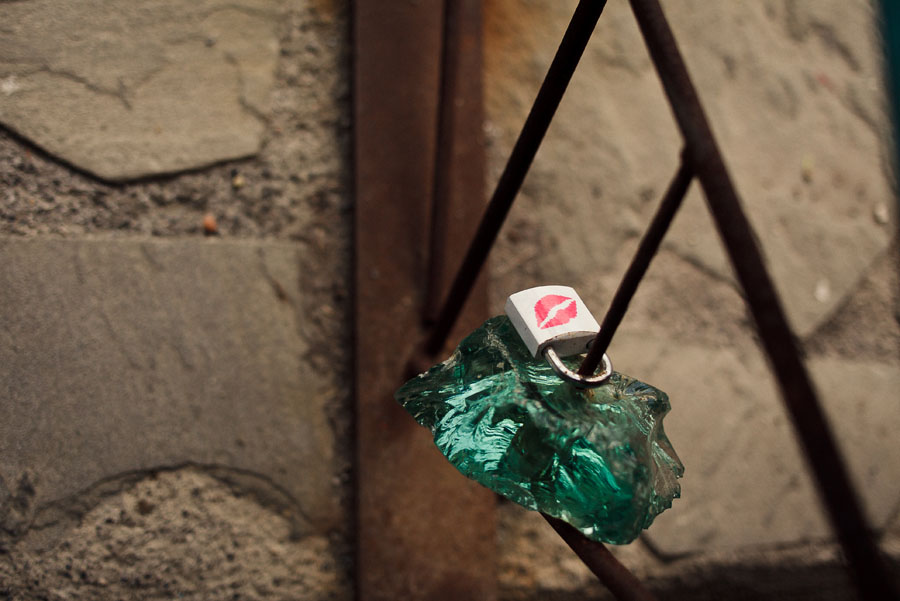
{"x":137,"y":89}
{"x":123,"y":356}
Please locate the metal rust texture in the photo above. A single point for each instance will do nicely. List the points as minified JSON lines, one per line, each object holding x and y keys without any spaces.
{"x":868,"y":567}
{"x":423,"y":530}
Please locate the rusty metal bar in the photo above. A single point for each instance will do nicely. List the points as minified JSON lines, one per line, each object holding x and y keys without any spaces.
{"x":867,"y":565}
{"x":551,"y":92}
{"x":450,"y":103}
{"x":621,"y":583}
{"x":647,"y":249}
{"x":420,"y":524}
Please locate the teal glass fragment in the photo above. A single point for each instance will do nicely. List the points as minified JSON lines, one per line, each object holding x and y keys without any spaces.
{"x":598,"y":459}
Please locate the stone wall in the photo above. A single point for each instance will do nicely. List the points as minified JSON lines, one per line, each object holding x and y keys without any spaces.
{"x":175,"y":220}
{"x":175,"y":230}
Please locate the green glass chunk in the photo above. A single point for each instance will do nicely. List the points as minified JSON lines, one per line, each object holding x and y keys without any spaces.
{"x":598,"y":459}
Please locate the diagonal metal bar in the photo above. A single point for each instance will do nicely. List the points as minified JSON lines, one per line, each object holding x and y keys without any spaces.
{"x":647,"y":249}
{"x":551,"y":92}
{"x":615,"y":576}
{"x":867,"y":565}
{"x":621,"y":583}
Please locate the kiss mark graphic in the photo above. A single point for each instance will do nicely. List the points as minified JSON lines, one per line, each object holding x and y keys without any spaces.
{"x":555,"y":310}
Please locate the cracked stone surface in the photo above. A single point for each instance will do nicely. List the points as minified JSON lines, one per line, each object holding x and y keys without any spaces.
{"x":141,"y":88}
{"x":296,"y":187}
{"x":185,"y":534}
{"x":794,"y":95}
{"x":746,"y":483}
{"x":124,"y":355}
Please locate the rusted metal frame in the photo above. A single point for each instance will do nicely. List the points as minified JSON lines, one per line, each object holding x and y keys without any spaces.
{"x":412,"y":540}
{"x":598,"y":559}
{"x":647,"y":249}
{"x":610,"y":571}
{"x":867,"y":565}
{"x":551,"y":92}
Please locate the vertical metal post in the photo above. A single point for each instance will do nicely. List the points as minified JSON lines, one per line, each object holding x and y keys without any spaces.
{"x":425,"y":532}
{"x":458,"y":153}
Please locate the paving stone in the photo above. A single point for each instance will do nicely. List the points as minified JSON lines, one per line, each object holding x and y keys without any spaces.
{"x":746,"y":483}
{"x":802,"y":135}
{"x":119,"y":356}
{"x":139,"y":89}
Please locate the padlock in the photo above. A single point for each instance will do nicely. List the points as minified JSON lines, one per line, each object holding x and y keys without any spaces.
{"x":554,"y":322}
{"x":552,"y":316}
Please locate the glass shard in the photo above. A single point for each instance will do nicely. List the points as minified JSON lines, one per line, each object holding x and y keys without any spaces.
{"x":598,"y":459}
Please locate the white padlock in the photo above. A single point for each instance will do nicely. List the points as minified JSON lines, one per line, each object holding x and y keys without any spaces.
{"x":553,"y":322}
{"x":552,"y":316}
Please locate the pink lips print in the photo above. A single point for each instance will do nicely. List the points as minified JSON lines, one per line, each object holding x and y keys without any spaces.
{"x":555,"y":310}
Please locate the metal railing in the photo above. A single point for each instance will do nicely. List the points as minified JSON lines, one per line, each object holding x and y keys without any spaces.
{"x":701,"y":160}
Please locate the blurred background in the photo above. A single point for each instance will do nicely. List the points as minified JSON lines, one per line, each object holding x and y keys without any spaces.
{"x":176,"y":289}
